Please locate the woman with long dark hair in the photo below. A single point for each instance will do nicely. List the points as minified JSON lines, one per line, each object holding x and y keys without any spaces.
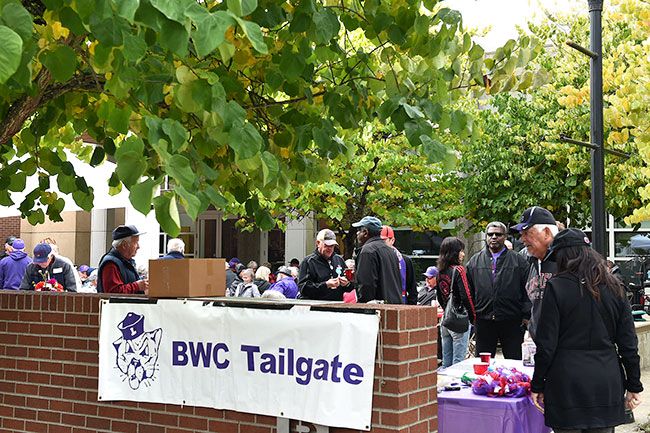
{"x":452,"y":252}
{"x":587,"y":364}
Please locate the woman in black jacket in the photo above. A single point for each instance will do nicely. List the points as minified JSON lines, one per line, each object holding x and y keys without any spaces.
{"x":452,"y":252}
{"x":587,"y":364}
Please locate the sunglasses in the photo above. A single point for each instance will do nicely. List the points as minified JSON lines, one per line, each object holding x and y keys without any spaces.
{"x":495,"y":235}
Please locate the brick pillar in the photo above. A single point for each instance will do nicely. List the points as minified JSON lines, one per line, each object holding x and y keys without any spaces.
{"x":49,"y":366}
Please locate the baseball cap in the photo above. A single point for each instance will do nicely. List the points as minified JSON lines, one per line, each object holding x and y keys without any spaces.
{"x":122,"y":232}
{"x":327,"y":236}
{"x":18,"y":244}
{"x":233,"y":262}
{"x":387,"y":232}
{"x":569,"y":238}
{"x":432,"y":271}
{"x":534,"y":215}
{"x":10,"y":240}
{"x":41,"y":253}
{"x":84,"y":268}
{"x":369,"y":222}
{"x":284,"y":270}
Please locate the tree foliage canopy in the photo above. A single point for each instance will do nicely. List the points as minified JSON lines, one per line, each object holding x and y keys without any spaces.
{"x":235,"y":101}
{"x":520,"y":161}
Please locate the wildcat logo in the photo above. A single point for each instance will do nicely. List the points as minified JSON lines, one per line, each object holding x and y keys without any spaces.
{"x":137,"y":351}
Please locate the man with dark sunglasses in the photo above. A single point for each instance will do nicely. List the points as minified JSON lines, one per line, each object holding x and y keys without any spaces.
{"x":497,"y":278}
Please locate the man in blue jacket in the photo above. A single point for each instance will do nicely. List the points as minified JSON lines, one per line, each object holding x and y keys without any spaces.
{"x":12,"y":267}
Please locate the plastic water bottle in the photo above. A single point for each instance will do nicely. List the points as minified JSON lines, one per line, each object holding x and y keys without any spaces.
{"x":528,"y":350}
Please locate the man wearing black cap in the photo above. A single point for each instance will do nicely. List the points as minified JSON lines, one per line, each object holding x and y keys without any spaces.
{"x":537,"y":228}
{"x":322,"y":272}
{"x":46,"y":266}
{"x":8,"y":247}
{"x":377,"y":269}
{"x":117,"y":272}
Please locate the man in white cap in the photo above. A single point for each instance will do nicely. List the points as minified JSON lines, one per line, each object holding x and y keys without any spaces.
{"x":117,"y":272}
{"x":322,"y":272}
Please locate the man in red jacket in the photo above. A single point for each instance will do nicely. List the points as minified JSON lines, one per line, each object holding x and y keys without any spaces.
{"x":117,"y":272}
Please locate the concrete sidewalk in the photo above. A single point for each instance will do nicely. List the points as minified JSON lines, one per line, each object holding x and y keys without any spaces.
{"x":641,"y":413}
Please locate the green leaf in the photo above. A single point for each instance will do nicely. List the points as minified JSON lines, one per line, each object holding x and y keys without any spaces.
{"x":66,"y":183}
{"x":476,"y":52}
{"x":177,"y":134}
{"x":141,"y":195}
{"x":458,"y":122}
{"x":246,"y":141}
{"x":270,"y":167}
{"x":210,"y":32}
{"x":10,"y":53}
{"x":180,"y":169}
{"x":326,"y":25}
{"x":38,"y":216}
{"x":134,"y":48}
{"x":17,"y":181}
{"x":254,"y":34}
{"x":83,"y":199}
{"x":17,"y":18}
{"x":190,"y":202}
{"x":60,"y":61}
{"x":264,"y":220}
{"x":97,"y":156}
{"x":130,"y":167}
{"x":174,"y":37}
{"x":242,"y":7}
{"x":172,"y":9}
{"x":167,"y":213}
{"x":434,"y":150}
{"x":126,"y":8}
{"x":215,"y":198}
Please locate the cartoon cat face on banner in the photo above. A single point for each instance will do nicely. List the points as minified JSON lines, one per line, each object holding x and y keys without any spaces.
{"x":137,"y":350}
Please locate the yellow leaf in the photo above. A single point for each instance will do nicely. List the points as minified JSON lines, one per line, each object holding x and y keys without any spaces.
{"x":59,"y":31}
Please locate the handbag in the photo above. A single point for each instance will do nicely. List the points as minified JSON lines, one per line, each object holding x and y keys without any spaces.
{"x":455,"y":318}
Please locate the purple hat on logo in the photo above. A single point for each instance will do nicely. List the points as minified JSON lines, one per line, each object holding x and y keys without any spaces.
{"x":132,"y":326}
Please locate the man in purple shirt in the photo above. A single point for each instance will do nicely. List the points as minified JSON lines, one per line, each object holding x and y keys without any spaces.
{"x":497,"y":278}
{"x":285,"y":283}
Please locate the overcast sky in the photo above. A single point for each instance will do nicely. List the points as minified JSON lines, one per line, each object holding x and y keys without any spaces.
{"x":504,"y":15}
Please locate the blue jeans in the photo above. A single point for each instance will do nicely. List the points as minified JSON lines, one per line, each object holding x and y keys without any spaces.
{"x":454,"y":346}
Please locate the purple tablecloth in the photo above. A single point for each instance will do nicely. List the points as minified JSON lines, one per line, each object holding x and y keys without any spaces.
{"x":463,"y":411}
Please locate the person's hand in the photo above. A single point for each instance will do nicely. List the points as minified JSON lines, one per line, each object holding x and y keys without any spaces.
{"x":344,"y":281}
{"x":144,"y":286}
{"x":632,"y":400}
{"x":538,"y":400}
{"x":332,"y":283}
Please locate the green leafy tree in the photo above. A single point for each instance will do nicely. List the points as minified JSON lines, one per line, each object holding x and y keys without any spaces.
{"x":519,"y":161}
{"x":234,"y":101}
{"x":387,"y":179}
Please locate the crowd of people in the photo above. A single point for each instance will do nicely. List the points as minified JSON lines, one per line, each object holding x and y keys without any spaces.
{"x":557,"y":289}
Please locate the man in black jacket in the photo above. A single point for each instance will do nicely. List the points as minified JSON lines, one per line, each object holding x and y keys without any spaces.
{"x":377,"y":269}
{"x":497,"y":278}
{"x":321,"y":272}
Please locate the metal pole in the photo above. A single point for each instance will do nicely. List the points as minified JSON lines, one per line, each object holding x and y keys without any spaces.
{"x":598,"y":221}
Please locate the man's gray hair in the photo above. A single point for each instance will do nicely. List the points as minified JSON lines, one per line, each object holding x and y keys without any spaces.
{"x":552,"y":227}
{"x":119,"y":242}
{"x":175,"y":244}
{"x":498,"y":224}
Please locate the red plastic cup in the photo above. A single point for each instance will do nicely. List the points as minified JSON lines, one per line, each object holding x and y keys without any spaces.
{"x":349,"y":274}
{"x":481,"y":367}
{"x":485,"y":356}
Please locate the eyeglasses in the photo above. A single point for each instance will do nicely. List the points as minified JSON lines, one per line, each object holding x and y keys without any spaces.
{"x":495,"y":235}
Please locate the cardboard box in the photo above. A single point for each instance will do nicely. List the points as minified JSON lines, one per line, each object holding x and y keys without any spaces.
{"x":186,"y":278}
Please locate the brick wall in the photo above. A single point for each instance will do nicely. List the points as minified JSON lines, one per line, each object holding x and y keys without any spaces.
{"x":49,"y":365}
{"x":9,"y":226}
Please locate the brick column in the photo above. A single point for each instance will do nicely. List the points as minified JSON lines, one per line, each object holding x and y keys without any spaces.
{"x":49,"y":365}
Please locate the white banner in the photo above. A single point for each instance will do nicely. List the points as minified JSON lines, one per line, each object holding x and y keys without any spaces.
{"x":306,"y":365}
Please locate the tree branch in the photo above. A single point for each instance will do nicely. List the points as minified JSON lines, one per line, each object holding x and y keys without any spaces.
{"x":285,"y":101}
{"x":27,"y":106}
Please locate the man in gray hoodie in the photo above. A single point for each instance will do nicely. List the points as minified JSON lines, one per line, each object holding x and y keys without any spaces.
{"x":12,"y":267}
